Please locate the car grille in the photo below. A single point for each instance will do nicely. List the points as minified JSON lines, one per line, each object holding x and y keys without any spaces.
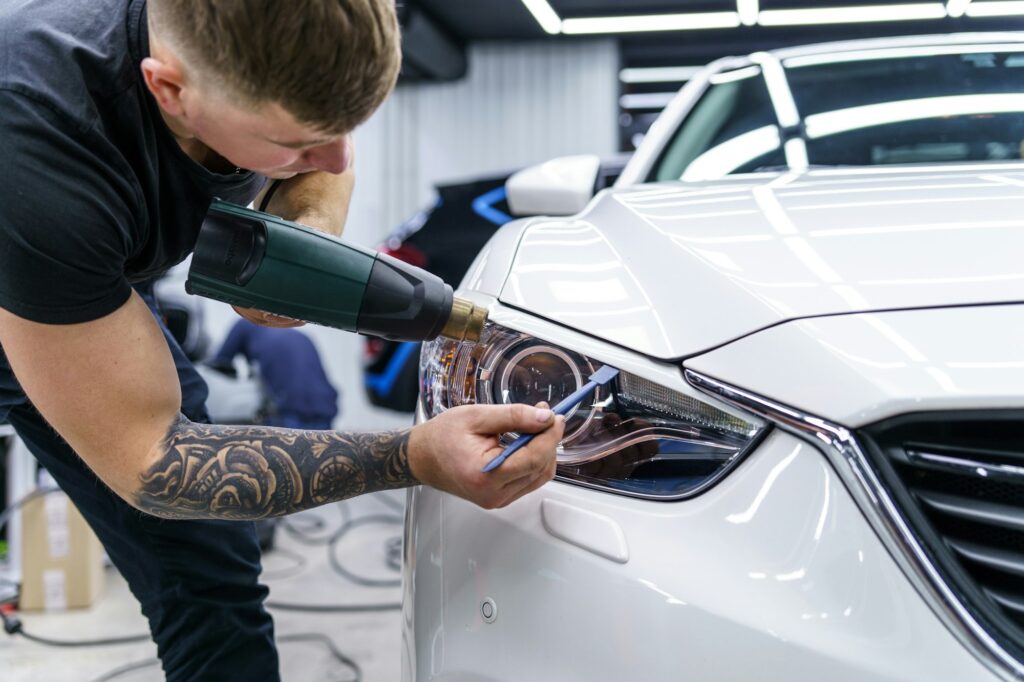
{"x":959,"y":481}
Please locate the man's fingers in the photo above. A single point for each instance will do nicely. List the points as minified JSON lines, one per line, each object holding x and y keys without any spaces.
{"x":535,"y":456}
{"x":524,"y":486}
{"x":265,"y":319}
{"x":518,"y":418}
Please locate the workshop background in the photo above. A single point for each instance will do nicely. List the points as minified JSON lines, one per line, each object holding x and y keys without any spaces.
{"x":487,"y":87}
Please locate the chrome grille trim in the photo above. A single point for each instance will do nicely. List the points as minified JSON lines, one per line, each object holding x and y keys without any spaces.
{"x":967,"y":467}
{"x":848,"y":459}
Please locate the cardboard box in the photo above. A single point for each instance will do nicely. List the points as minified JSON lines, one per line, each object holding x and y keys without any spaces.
{"x":61,"y":559}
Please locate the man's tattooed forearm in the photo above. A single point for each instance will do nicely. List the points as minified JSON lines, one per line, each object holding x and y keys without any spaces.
{"x":252,"y":472}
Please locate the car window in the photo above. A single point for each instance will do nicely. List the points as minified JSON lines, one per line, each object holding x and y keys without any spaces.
{"x":938,"y":108}
{"x":735,"y":104}
{"x":917,"y":105}
{"x":978,"y":137}
{"x":872,"y":81}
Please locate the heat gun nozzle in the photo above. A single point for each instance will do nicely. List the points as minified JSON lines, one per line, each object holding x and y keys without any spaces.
{"x":465,"y":322}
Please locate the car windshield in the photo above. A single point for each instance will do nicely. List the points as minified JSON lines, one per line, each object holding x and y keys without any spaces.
{"x":872,"y":107}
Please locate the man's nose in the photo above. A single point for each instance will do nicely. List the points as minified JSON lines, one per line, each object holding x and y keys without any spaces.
{"x":332,"y":157}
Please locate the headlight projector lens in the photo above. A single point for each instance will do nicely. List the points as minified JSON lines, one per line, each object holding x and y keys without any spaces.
{"x":537,"y":373}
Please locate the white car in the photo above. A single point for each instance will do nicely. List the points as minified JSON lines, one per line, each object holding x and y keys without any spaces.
{"x":811,"y":465}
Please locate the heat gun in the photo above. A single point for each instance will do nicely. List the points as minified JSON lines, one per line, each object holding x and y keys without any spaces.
{"x":256,"y":260}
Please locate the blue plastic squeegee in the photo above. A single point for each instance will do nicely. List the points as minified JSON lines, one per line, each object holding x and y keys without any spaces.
{"x":598,"y":378}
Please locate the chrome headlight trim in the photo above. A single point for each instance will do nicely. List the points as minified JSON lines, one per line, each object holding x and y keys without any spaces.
{"x":847,"y":458}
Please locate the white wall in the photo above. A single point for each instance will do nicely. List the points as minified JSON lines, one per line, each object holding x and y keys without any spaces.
{"x":520,"y":104}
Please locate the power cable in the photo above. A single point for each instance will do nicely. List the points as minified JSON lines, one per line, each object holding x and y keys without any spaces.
{"x":5,"y":515}
{"x":336,"y":565}
{"x":294,"y":526}
{"x":13,"y":626}
{"x":299,"y":563}
{"x":333,"y":608}
{"x":124,"y":669}
{"x":316,"y":637}
{"x":388,"y":501}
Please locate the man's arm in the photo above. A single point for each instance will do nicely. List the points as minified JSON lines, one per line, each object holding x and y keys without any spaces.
{"x":247,"y":472}
{"x":316,"y":199}
{"x":110,"y":389}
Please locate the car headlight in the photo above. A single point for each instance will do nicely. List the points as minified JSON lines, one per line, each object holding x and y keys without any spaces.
{"x":633,"y":436}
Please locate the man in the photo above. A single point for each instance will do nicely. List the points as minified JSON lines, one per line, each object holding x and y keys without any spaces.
{"x":119,"y":123}
{"x":300,"y":393}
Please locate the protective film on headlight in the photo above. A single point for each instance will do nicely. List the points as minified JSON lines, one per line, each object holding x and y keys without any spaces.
{"x":633,"y":436}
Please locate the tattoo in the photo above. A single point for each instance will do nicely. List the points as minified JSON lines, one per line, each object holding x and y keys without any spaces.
{"x":252,"y":472}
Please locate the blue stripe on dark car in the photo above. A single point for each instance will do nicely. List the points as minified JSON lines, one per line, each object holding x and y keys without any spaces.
{"x":383,"y":383}
{"x":483,"y":205}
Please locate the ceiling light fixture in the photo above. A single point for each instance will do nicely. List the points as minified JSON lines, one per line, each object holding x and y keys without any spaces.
{"x":956,"y":8}
{"x":646,"y":100}
{"x":748,"y":11}
{"x":899,"y":53}
{"x":651,"y":22}
{"x":1005,"y":8}
{"x":852,"y":15}
{"x":856,"y":118}
{"x":659,"y":74}
{"x":545,"y":15}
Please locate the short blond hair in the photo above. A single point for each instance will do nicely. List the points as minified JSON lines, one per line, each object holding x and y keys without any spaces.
{"x":329,"y":63}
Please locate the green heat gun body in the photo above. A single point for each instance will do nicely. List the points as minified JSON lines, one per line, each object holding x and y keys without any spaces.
{"x":256,"y":260}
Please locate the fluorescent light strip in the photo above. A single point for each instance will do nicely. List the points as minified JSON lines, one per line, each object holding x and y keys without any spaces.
{"x":737,"y":75}
{"x":545,"y":15}
{"x":646,"y":100}
{"x":748,"y":11}
{"x":778,"y":89}
{"x":855,"y":118}
{"x":1006,"y":8}
{"x":651,"y":22}
{"x":851,"y":15}
{"x":795,"y":150}
{"x":662,"y":74}
{"x":956,"y":8}
{"x":731,"y":154}
{"x":899,"y":53}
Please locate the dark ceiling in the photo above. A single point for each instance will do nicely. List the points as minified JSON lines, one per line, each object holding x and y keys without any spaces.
{"x":476,"y":20}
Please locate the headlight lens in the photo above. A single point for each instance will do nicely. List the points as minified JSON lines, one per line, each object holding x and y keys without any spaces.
{"x":632,"y":436}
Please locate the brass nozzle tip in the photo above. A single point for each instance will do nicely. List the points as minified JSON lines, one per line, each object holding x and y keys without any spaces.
{"x":465,"y":321}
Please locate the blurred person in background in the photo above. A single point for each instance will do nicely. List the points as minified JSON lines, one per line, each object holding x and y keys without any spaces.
{"x":301,"y":395}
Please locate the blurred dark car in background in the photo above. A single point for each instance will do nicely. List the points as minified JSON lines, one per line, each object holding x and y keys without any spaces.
{"x":443,"y":239}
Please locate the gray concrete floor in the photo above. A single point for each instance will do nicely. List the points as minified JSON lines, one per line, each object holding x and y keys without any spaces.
{"x":295,"y":571}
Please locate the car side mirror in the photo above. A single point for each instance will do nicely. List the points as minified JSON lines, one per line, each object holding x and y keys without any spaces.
{"x":559,"y":187}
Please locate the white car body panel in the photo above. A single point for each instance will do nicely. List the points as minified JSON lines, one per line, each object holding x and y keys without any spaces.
{"x":725,"y":259}
{"x":850,"y":295}
{"x":859,"y":369}
{"x":489,"y":270}
{"x":772,"y":575}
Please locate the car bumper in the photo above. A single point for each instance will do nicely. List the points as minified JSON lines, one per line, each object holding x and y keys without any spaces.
{"x":772,"y":574}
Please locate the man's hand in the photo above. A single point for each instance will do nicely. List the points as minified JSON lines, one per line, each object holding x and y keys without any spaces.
{"x":449,"y":452}
{"x":267,"y":319}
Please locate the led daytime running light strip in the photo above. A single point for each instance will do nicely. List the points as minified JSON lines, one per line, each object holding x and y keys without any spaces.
{"x":748,"y":13}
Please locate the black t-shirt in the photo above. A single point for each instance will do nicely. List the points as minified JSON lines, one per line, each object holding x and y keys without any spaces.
{"x":95,"y":194}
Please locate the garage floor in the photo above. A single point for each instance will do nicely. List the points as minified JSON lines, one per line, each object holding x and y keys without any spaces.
{"x":298,"y":570}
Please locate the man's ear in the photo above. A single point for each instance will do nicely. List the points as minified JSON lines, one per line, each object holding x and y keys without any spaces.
{"x":165,"y":81}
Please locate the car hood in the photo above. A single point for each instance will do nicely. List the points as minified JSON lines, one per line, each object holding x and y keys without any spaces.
{"x":672,"y":270}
